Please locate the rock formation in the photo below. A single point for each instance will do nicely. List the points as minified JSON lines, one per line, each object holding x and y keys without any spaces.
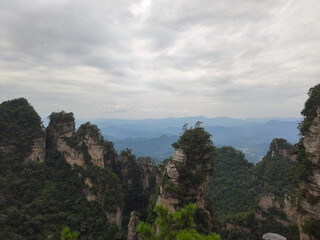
{"x":87,"y":148}
{"x":38,"y":152}
{"x":308,"y":169}
{"x":194,"y":194}
{"x":61,"y":136}
{"x":132,"y":226}
{"x":268,"y":206}
{"x":148,"y":175}
{"x":187,"y":174}
{"x":310,"y":202}
{"x":281,"y":148}
{"x":273,"y":236}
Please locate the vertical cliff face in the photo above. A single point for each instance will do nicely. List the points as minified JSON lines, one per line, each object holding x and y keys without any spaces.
{"x":61,"y":128}
{"x":148,"y":174}
{"x":87,"y":148}
{"x":188,"y":172}
{"x":80,"y":147}
{"x":308,"y":169}
{"x":132,"y":226}
{"x":310,"y":188}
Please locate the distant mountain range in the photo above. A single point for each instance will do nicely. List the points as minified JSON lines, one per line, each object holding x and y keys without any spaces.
{"x":153,"y":137}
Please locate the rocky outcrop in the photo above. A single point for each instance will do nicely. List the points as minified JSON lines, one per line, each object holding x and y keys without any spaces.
{"x":281,"y":148}
{"x":148,"y":175}
{"x":268,"y":201}
{"x":309,"y":187}
{"x":132,"y":226}
{"x":95,"y":150}
{"x":195,"y":193}
{"x":179,"y":156}
{"x":87,"y":192}
{"x":115,"y":217}
{"x":58,"y":130}
{"x":273,"y":236}
{"x":311,"y":140}
{"x":126,"y":162}
{"x":38,"y":152}
{"x":61,"y":136}
{"x":269,"y":207}
{"x":84,"y":147}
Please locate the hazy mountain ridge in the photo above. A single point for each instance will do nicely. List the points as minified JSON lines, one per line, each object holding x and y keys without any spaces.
{"x":251,"y":136}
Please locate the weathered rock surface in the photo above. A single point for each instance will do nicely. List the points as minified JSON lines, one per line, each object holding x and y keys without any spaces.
{"x":59,"y":130}
{"x":38,"y":152}
{"x":95,"y":150}
{"x":179,"y":156}
{"x":268,"y":201}
{"x":273,"y":236}
{"x":281,"y":148}
{"x":148,"y":173}
{"x":312,"y":140}
{"x":195,"y":193}
{"x":132,"y":226}
{"x":115,"y":217}
{"x":61,"y":136}
{"x":58,"y":134}
{"x":311,"y":188}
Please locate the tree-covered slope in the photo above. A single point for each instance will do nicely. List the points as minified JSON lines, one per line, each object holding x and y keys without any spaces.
{"x":231,"y":187}
{"x":37,"y":199}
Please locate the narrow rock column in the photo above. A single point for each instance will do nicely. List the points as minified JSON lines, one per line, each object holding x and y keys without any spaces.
{"x":132,"y":226}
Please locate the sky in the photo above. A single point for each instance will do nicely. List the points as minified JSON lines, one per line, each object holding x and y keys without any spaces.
{"x":136,"y":59}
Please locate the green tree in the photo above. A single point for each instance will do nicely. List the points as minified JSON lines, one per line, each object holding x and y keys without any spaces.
{"x":173,"y":226}
{"x":66,"y":234}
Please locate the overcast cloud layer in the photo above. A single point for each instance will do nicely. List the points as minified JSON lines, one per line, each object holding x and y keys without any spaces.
{"x":160,"y":58}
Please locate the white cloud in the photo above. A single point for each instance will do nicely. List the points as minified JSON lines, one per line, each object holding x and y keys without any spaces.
{"x":137,"y":59}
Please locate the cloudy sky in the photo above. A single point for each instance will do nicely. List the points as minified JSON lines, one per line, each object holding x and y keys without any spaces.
{"x":160,"y":58}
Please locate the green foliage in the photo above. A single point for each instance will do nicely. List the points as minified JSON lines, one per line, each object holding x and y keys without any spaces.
{"x":91,"y":130}
{"x":311,"y":226}
{"x":105,"y":185}
{"x":61,"y":117}
{"x":173,"y":226}
{"x":135,"y":199}
{"x":237,"y":186}
{"x":197,"y":145}
{"x":232,"y":186}
{"x":19,"y":126}
{"x":41,"y":198}
{"x":310,"y":109}
{"x":66,"y":234}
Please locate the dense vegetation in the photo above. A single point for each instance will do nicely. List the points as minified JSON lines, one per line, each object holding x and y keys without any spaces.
{"x":174,"y":226}
{"x":20,"y":125}
{"x":38,"y":199}
{"x":197,"y":146}
{"x":310,"y":108}
{"x":237,"y":186}
{"x":232,"y":186}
